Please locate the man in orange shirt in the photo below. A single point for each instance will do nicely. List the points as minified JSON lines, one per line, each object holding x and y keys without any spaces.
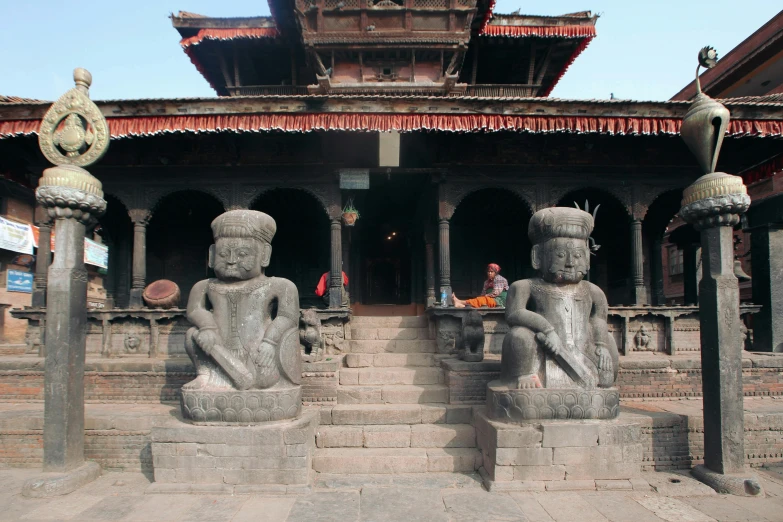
{"x":322,"y":290}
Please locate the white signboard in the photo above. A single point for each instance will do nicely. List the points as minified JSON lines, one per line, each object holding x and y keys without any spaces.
{"x":15,"y":236}
{"x":96,"y":254}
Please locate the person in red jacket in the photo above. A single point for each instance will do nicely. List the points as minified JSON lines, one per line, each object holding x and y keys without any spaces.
{"x":322,"y":290}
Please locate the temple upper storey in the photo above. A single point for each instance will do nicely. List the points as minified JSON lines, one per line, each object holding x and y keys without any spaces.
{"x":385,"y":47}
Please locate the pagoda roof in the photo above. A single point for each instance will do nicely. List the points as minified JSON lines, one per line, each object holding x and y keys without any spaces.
{"x":149,"y":117}
{"x":197,"y":29}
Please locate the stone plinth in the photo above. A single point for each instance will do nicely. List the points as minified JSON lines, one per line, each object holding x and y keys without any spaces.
{"x":513,"y":405}
{"x":206,"y":407}
{"x":268,"y":457}
{"x":516,"y":455}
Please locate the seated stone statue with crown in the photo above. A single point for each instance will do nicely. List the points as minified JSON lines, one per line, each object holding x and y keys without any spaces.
{"x":558,"y":358}
{"x":245,"y":338}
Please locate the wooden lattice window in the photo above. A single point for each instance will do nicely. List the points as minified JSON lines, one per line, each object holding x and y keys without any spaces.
{"x":675,"y":261}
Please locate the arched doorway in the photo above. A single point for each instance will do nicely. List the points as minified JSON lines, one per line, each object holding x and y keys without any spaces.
{"x":178,"y":239}
{"x":663,"y":265}
{"x":386,"y":247}
{"x":489,"y":226}
{"x":116,"y":230}
{"x":611,"y":265}
{"x":301,"y":246}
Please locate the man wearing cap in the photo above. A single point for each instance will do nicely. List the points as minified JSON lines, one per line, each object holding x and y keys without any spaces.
{"x":558,"y":334}
{"x":246,"y":324}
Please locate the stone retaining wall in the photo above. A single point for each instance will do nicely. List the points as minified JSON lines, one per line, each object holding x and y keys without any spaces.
{"x":658,"y":377}
{"x":118,"y":436}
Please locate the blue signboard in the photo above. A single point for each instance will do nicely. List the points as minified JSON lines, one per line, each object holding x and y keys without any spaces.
{"x":19,"y":281}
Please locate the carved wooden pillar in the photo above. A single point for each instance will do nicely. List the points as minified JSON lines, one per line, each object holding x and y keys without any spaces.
{"x":656,"y":272}
{"x":429,"y":251}
{"x":445,"y":259}
{"x":140,"y":218}
{"x":42,"y":260}
{"x":336,"y":273}
{"x":638,"y":292}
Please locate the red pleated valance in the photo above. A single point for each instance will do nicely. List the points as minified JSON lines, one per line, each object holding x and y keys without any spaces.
{"x":228,"y":34}
{"x":463,"y":123}
{"x":562,"y":31}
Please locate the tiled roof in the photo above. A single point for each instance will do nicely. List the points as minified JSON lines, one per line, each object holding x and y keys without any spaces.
{"x":17,"y":99}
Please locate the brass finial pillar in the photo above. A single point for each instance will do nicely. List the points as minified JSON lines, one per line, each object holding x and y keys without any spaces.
{"x":713,"y":205}
{"x":73,"y":134}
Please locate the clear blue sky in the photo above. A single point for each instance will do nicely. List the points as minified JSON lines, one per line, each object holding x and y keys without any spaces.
{"x":645,"y":50}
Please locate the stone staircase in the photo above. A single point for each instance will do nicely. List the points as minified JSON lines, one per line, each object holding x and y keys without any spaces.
{"x":392,"y":414}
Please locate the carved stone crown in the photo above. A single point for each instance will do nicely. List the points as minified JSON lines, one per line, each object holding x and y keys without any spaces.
{"x":713,"y":185}
{"x":71,"y":177}
{"x":567,"y":222}
{"x":715,"y":199}
{"x":244,"y":224}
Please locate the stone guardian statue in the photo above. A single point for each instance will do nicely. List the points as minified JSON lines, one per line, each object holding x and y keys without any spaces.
{"x":558,"y":358}
{"x":245,"y":338}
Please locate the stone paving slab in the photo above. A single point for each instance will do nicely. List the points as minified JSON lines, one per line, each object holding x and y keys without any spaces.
{"x":396,"y":503}
{"x":438,"y":497}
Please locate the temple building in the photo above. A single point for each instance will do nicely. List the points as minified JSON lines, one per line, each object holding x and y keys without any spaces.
{"x":432,"y":118}
{"x":406,"y":143}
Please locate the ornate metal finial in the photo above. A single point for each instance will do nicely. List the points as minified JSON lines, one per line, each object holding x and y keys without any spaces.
{"x":708,"y":58}
{"x":73,"y":131}
{"x":73,"y":134}
{"x":705,"y":124}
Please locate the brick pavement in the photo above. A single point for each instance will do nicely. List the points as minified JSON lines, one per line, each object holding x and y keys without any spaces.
{"x":434,"y":497}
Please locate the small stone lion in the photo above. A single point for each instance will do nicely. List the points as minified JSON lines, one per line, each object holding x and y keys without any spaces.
{"x":472,"y":337}
{"x":310,"y":335}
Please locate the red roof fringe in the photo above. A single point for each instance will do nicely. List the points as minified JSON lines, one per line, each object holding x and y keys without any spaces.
{"x":308,"y":122}
{"x":579,"y":48}
{"x":764,"y":171}
{"x":555,"y":31}
{"x":229,"y":34}
{"x":487,"y":16}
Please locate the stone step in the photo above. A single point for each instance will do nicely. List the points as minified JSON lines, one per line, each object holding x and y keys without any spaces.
{"x":391,"y":375}
{"x":393,"y":394}
{"x":13,"y":349}
{"x":397,"y":436}
{"x":384,"y":333}
{"x":364,"y":360}
{"x":389,"y":321}
{"x":363,"y":414}
{"x":352,"y":461}
{"x":393,"y":346}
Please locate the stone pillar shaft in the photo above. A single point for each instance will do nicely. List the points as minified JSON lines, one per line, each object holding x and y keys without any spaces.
{"x":429,"y":251}
{"x":336,"y":272}
{"x":445,"y":259}
{"x":139,"y":274}
{"x":766,"y":243}
{"x":42,"y":260}
{"x":721,"y":357}
{"x":63,"y":436}
{"x":639,"y":292}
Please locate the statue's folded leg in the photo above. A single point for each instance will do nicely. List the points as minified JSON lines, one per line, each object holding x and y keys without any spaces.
{"x":208,"y":374}
{"x":522,"y":359}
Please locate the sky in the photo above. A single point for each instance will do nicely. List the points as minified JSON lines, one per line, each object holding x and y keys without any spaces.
{"x":645,"y":50}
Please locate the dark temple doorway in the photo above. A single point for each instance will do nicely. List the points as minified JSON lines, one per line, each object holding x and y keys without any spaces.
{"x":386,"y":244}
